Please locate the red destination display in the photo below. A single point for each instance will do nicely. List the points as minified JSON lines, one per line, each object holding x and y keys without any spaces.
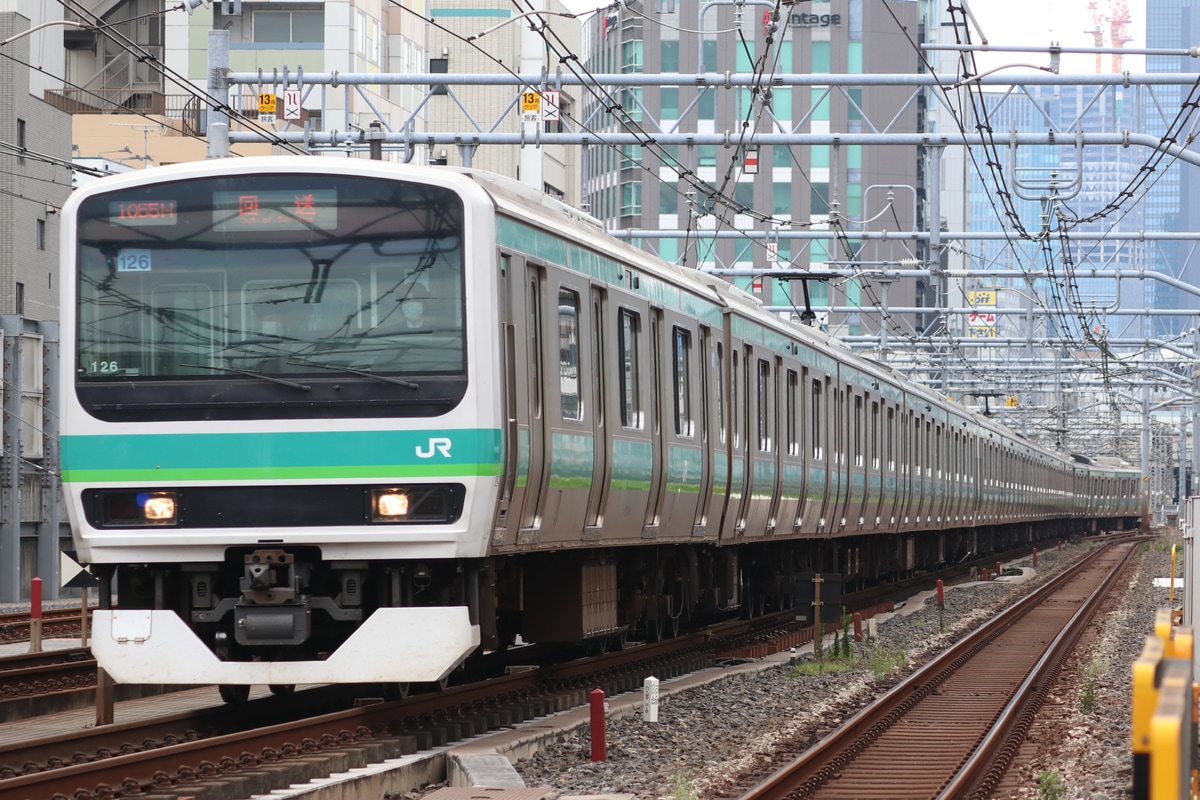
{"x":274,"y":210}
{"x":141,"y":213}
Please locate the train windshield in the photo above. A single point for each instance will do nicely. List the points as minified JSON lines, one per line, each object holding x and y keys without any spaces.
{"x":274,"y":279}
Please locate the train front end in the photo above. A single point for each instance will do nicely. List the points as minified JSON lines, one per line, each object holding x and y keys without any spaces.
{"x":281,"y":442}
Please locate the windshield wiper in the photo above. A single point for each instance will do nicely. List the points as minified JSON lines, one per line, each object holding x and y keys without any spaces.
{"x":254,"y":374}
{"x":351,"y":370}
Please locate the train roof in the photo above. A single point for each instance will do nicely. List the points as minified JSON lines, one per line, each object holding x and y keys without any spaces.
{"x":519,"y":198}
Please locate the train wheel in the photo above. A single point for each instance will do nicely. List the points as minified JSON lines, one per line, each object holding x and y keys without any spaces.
{"x":235,"y":694}
{"x":282,"y":689}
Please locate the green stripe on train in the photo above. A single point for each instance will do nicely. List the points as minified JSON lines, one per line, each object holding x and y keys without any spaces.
{"x":290,"y":455}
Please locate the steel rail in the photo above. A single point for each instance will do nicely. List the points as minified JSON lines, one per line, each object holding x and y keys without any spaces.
{"x":809,"y":773}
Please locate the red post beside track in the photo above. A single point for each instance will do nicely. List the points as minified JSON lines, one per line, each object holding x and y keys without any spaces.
{"x":35,"y":599}
{"x":999,"y":571}
{"x":599,"y":736}
{"x":1035,"y":556}
{"x":941,"y":594}
{"x":985,"y":575}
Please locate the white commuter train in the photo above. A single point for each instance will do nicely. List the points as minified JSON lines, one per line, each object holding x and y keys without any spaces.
{"x":334,"y":420}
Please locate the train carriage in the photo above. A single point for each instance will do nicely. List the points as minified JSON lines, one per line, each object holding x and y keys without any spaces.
{"x":345,"y":421}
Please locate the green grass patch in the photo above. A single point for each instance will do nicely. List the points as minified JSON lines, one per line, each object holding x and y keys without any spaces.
{"x":1051,"y":787}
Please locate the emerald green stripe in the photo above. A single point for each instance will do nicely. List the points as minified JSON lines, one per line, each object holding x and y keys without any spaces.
{"x":258,"y":456}
{"x":277,"y":473}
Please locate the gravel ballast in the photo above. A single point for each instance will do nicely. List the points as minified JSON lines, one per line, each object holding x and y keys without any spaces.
{"x":711,"y":741}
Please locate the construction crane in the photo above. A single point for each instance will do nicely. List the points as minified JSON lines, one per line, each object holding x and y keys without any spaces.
{"x":1116,"y":14}
{"x":1096,"y":31}
{"x":1118,"y":23}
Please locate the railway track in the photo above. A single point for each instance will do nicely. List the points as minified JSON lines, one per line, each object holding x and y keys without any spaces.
{"x":173,"y":753}
{"x":37,"y":674}
{"x":277,"y":741}
{"x":951,"y":729}
{"x":56,"y":622}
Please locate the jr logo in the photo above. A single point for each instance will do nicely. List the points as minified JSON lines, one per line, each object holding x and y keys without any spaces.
{"x":436,"y":445}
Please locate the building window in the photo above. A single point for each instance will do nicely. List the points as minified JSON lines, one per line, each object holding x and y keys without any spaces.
{"x":668,"y":198}
{"x":41,"y":234}
{"x":295,"y":27}
{"x":19,"y":300}
{"x":21,"y":140}
{"x":368,"y":41}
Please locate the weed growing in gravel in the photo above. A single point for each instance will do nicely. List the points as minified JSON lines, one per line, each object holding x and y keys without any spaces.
{"x":882,"y":660}
{"x":1051,"y":787}
{"x":809,"y":669}
{"x":1087,"y":702}
{"x":681,"y":788}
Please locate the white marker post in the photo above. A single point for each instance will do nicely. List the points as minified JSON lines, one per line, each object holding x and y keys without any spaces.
{"x":650,"y":700}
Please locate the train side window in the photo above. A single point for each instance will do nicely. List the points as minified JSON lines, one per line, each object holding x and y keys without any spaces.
{"x":683,"y":384}
{"x":930,"y":451}
{"x":568,"y":354}
{"x":937,"y":451}
{"x":719,"y":374}
{"x":535,"y":347}
{"x":631,"y":398}
{"x":840,"y":409}
{"x":792,"y":432}
{"x":889,"y":440}
{"x":818,"y":447}
{"x":859,"y":456}
{"x":764,"y":409}
{"x":733,"y":395}
{"x":917,"y":455}
{"x":874,"y":443}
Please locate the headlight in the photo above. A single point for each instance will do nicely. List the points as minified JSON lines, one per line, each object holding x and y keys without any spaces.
{"x":134,"y":509}
{"x":389,"y":504}
{"x":430,"y":504}
{"x":158,"y":508}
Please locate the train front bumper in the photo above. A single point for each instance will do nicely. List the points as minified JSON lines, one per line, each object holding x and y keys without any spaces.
{"x":393,"y":645}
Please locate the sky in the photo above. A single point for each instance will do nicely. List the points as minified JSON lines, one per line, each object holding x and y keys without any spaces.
{"x":1040,"y":22}
{"x":1028,"y":23}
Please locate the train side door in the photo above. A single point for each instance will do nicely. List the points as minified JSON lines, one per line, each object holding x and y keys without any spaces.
{"x":597,"y":366}
{"x":704,"y":423}
{"x":568,"y":408}
{"x":922,"y":486}
{"x":655,"y":424}
{"x":839,"y":476}
{"x":791,"y":456}
{"x":762,"y":463}
{"x":630,"y":419}
{"x":734,"y":523}
{"x":819,"y":456}
{"x":682,"y":441}
{"x":717,"y":420}
{"x":889,"y":480}
{"x":525,"y":428}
